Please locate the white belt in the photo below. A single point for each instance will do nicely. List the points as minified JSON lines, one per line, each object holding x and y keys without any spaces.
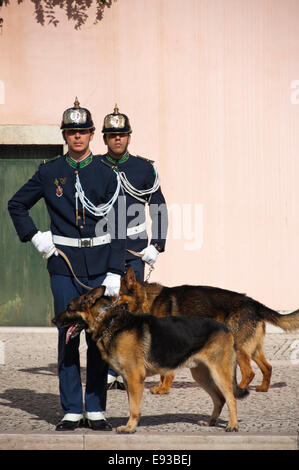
{"x":137,"y":229}
{"x":82,"y":242}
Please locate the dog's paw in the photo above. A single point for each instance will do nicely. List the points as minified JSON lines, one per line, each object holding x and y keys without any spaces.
{"x":157,"y":390}
{"x":231,"y":428}
{"x":212,"y":422}
{"x":203,"y":423}
{"x":261,"y":388}
{"x":125,"y":430}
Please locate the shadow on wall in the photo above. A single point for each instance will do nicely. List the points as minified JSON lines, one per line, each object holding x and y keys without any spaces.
{"x":75,"y":10}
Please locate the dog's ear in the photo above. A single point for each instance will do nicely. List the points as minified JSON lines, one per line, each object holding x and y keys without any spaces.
{"x":130,"y":278}
{"x":90,"y":298}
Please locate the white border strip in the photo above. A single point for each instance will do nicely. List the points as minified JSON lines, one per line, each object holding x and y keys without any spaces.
{"x":28,"y":329}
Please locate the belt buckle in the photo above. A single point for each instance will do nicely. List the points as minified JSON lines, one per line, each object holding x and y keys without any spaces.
{"x":85,"y":242}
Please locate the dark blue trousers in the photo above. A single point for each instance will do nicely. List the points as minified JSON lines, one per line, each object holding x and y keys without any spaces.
{"x":138,"y":266}
{"x":64,"y":289}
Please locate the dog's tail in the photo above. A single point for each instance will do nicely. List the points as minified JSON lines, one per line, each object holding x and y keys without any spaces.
{"x":287,"y":322}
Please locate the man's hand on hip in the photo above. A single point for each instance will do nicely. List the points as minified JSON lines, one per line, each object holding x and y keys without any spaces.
{"x":44,"y":244}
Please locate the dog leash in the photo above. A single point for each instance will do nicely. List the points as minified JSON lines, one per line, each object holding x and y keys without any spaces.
{"x":135,"y":253}
{"x":63,"y":255}
{"x":139,"y":255}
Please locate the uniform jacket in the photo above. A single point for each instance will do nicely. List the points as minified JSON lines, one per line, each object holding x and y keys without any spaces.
{"x":140,"y":172}
{"x":54,"y":181}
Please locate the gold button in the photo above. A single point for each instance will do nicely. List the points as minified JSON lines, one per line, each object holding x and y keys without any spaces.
{"x":81,"y":226}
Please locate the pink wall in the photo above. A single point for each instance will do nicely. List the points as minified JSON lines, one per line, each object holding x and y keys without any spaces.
{"x":207,"y":85}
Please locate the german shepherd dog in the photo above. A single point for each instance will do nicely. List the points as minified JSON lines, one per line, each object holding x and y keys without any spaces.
{"x":244,"y":317}
{"x":138,"y":346}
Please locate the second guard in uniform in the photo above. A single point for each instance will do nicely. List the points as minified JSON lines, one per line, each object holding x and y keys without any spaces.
{"x":141,"y":185}
{"x":79,"y":192}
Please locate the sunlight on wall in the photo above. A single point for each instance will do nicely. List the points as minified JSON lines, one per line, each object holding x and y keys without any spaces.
{"x":2,"y":92}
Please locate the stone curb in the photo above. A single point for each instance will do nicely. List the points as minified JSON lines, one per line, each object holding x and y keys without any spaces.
{"x":159,"y":441}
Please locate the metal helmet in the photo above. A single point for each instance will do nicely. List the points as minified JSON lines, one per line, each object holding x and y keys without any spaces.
{"x":116,"y":123}
{"x":77,"y":118}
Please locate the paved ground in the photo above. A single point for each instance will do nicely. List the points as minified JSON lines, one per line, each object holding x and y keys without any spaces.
{"x":30,"y":408}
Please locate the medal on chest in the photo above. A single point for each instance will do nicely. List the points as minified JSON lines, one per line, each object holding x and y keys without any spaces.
{"x":59,"y":182}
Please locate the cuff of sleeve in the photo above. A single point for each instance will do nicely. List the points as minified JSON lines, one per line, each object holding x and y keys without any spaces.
{"x":160,"y":247}
{"x":29,"y":236}
{"x":115,"y":271}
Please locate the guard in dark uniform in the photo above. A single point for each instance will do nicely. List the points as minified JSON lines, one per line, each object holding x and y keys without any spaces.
{"x":79,"y":191}
{"x":141,"y":185}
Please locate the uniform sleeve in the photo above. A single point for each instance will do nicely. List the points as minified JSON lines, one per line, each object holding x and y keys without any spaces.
{"x":20,"y":204}
{"x":158,"y":212}
{"x":117,"y":224}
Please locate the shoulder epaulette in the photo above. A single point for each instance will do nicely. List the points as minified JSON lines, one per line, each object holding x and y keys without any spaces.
{"x":146,"y":159}
{"x":51,"y":159}
{"x":107,"y":163}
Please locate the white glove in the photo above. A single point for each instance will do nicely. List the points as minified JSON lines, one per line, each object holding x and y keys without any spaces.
{"x":150,"y":255}
{"x":112,"y":284}
{"x":43,"y":242}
